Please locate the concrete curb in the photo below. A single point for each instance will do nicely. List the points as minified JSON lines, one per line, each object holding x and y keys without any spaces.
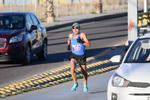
{"x":97,"y":18}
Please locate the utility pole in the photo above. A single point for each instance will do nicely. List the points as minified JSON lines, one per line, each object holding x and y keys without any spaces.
{"x":132,"y":20}
{"x":50,"y":16}
{"x":35,"y":6}
{"x":3,"y":2}
{"x":145,"y":6}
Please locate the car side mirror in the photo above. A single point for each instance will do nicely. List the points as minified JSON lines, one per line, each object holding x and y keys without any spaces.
{"x":33,"y":27}
{"x":116,"y":59}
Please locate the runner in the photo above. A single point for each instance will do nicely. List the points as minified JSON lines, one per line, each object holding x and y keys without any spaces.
{"x":77,"y":41}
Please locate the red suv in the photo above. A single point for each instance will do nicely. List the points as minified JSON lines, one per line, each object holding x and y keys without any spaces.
{"x":21,"y":36}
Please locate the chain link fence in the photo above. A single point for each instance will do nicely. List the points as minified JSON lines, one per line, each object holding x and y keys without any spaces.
{"x":64,"y":7}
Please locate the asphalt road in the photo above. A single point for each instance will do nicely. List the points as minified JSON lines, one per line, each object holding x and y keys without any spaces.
{"x":102,"y":35}
{"x":97,"y":91}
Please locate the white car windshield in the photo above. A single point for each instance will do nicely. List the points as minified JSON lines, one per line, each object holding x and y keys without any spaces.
{"x":139,"y":51}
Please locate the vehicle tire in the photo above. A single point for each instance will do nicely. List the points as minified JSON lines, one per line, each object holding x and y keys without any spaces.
{"x":27,"y":56}
{"x":43,"y":53}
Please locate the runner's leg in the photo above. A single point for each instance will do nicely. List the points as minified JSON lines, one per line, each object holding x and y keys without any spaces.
{"x":84,"y":72}
{"x":83,"y":68}
{"x":73,"y":73}
{"x":72,"y":70}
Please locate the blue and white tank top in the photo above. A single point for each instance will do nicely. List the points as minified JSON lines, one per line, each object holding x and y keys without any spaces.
{"x":77,"y":48}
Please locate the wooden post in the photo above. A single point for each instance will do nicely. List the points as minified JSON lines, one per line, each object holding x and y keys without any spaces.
{"x":132,"y":20}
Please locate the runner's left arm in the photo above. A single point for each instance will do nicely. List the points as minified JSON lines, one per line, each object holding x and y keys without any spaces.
{"x":85,"y":39}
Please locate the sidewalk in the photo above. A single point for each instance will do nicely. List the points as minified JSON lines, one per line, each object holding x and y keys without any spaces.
{"x":68,"y":20}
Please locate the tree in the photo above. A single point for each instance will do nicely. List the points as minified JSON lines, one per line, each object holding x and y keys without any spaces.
{"x":50,"y":16}
{"x":99,"y":6}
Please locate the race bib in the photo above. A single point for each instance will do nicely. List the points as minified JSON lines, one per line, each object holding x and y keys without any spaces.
{"x":76,"y":47}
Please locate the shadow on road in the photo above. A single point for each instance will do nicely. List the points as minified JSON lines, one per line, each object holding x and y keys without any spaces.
{"x":97,"y":92}
{"x":101,"y":38}
{"x":95,"y":27}
{"x":54,"y":58}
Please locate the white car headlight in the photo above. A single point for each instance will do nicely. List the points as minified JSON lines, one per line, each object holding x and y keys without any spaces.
{"x":15,"y":39}
{"x":119,"y":81}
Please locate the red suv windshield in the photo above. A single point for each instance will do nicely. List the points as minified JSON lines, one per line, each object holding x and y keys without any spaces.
{"x":11,"y":22}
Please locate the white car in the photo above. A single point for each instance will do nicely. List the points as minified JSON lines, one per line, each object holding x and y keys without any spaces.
{"x":131,"y":81}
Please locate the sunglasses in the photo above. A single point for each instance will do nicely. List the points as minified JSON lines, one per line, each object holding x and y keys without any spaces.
{"x":75,"y":27}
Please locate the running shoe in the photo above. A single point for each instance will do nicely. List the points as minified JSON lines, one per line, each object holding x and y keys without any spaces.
{"x":85,"y":89}
{"x":74,"y":87}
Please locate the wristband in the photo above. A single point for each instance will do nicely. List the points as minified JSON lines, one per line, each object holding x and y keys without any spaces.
{"x":68,"y":48}
{"x":80,"y":41}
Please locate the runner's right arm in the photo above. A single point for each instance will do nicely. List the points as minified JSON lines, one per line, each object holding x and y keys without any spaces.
{"x":69,"y":42}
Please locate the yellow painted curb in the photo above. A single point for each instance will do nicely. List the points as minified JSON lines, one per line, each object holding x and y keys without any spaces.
{"x":50,"y":78}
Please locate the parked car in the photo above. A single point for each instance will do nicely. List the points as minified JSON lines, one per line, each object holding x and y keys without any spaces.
{"x":131,"y":81}
{"x":21,"y":36}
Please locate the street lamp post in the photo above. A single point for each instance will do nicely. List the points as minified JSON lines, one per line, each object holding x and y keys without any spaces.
{"x":132,"y":20}
{"x":35,"y":6}
{"x":145,"y":6}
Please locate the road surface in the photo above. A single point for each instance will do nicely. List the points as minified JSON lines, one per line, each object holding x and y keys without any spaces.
{"x":102,"y":34}
{"x":97,"y":90}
